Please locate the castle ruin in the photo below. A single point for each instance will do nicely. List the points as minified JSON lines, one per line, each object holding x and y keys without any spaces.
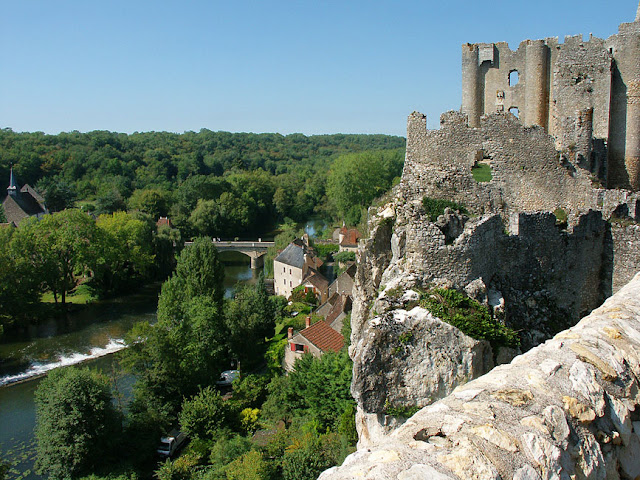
{"x":586,"y":94}
{"x":568,"y":408}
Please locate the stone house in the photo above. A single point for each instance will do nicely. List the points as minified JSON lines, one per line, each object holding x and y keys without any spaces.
{"x":317,"y":283}
{"x":295,"y":264}
{"x":315,"y":339}
{"x":344,"y":283}
{"x":21,"y":203}
{"x":348,"y":239}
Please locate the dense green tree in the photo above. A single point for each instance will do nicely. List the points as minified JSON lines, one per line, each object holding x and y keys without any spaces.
{"x":76,"y":423}
{"x":354,"y":180}
{"x":250,"y":466}
{"x":187,"y":347}
{"x":224,"y":451}
{"x":20,"y":285}
{"x":152,"y":201}
{"x":110,"y":201}
{"x":204,"y":414}
{"x":3,"y":218}
{"x":58,"y":193}
{"x":318,"y":388}
{"x":125,"y":251}
{"x":167,"y":244}
{"x":250,"y":319}
{"x":310,"y":455}
{"x":200,"y":269}
{"x":61,"y":246}
{"x":105,"y":168}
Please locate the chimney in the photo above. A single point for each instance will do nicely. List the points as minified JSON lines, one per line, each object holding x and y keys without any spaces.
{"x":290,"y":333}
{"x":307,"y":322}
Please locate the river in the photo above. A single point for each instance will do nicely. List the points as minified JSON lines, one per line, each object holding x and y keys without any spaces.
{"x":90,"y":336}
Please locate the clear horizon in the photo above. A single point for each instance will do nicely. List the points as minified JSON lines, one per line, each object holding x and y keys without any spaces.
{"x":282,"y":67}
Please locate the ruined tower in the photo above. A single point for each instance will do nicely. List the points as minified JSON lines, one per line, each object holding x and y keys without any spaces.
{"x":584,"y":93}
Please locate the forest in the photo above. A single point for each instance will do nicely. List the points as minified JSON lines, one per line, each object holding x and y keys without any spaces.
{"x":209,"y":183}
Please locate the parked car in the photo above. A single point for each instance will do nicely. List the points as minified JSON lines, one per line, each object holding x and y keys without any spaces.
{"x":227,"y":377}
{"x":170,"y":444}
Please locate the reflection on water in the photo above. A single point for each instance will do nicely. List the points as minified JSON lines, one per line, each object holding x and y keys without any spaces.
{"x":314,"y":227}
{"x":94,"y":331}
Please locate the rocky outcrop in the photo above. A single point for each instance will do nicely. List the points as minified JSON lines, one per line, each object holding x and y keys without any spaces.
{"x":410,"y":359}
{"x":535,"y":276}
{"x":565,"y":409}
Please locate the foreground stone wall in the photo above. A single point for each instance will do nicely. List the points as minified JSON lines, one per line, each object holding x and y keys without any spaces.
{"x":534,"y":275}
{"x":566,"y":409}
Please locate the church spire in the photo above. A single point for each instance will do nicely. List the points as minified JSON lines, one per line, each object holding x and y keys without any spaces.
{"x":13,"y":185}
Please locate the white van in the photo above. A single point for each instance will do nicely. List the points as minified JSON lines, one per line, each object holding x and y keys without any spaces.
{"x":171,"y":443}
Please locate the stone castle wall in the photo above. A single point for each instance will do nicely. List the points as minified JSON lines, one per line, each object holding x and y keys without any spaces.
{"x":529,"y":174}
{"x":586,"y":94}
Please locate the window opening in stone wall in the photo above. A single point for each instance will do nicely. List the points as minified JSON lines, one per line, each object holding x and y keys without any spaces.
{"x":513,"y":78}
{"x":481,"y":172}
{"x":514,"y":111}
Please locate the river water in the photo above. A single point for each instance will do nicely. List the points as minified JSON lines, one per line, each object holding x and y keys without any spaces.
{"x":90,"y":336}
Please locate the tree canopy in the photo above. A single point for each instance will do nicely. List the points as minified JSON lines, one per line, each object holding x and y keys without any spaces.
{"x":210,"y":183}
{"x":76,"y":423}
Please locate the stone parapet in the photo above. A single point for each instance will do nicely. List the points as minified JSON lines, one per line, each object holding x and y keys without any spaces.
{"x":565,"y":409}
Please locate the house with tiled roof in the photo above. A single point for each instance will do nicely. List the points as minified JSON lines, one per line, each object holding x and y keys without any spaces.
{"x":317,"y":283}
{"x":348,"y":239}
{"x":315,"y":339}
{"x":164,"y":221}
{"x":294,"y":265}
{"x":21,"y":203}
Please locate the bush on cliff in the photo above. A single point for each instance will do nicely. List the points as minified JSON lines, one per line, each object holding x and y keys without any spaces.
{"x":434,"y":207}
{"x":470,"y":316}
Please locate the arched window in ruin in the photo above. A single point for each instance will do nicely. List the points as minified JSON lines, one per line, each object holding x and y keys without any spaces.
{"x":513,"y":78}
{"x":514,"y":111}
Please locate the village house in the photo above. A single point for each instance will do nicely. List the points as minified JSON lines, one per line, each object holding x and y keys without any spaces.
{"x":344,"y":283}
{"x":348,"y":239}
{"x":324,"y":335}
{"x":315,"y":339}
{"x":295,"y":265}
{"x":21,"y":203}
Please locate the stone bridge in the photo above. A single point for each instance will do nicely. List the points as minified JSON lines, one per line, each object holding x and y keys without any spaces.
{"x":255,"y":250}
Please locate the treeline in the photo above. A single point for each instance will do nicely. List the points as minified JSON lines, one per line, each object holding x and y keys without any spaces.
{"x":209,"y":183}
{"x":70,"y":249}
{"x":271,"y":426}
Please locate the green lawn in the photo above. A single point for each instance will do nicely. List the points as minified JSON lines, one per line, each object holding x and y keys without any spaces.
{"x":80,"y":296}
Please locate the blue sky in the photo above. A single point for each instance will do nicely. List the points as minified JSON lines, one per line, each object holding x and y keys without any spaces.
{"x":257,"y":66}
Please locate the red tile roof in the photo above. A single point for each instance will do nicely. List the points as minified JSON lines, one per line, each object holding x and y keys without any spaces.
{"x":351,"y":236}
{"x":316,"y":279}
{"x":323,"y":336}
{"x":164,"y":221}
